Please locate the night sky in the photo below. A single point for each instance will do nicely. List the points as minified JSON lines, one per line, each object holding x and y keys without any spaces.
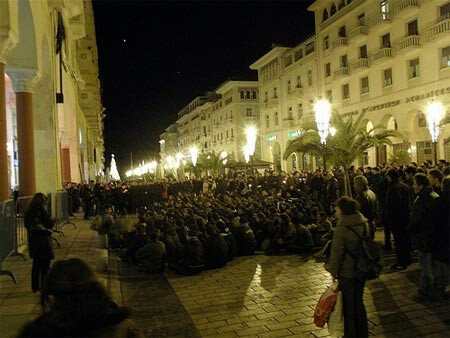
{"x":155,"y":57}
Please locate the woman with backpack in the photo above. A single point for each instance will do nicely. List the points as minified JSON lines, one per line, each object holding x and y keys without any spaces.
{"x":342,"y":265}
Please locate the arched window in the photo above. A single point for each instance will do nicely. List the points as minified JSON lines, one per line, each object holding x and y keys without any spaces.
{"x":247,"y":95}
{"x":242,"y":94}
{"x":332,"y":9}
{"x":325,"y":15}
{"x":254,"y":95}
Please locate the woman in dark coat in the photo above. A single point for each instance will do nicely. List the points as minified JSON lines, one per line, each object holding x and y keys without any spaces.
{"x":342,"y":265}
{"x":39,"y":224}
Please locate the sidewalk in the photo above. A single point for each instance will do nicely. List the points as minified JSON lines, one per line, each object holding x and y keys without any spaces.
{"x":19,"y":305}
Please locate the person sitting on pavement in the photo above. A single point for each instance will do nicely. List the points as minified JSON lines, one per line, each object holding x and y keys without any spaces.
{"x":229,"y":239}
{"x":75,"y":304}
{"x":135,"y":242}
{"x":153,"y":254}
{"x":192,"y":259}
{"x":216,"y":250}
{"x":245,"y":237}
{"x":301,"y":242}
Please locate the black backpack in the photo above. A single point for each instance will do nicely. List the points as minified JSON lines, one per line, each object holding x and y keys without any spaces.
{"x":367,"y":257}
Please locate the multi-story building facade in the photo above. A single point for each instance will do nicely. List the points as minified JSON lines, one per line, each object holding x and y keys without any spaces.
{"x":387,"y":59}
{"x":51,"y":128}
{"x":288,"y":86}
{"x":215,"y":122}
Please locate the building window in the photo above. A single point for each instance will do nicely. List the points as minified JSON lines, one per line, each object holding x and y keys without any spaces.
{"x":445,"y":59}
{"x":332,"y":10}
{"x":266,"y":97}
{"x":421,"y":120}
{"x":341,"y":4}
{"x":413,"y":29}
{"x":414,"y":70}
{"x":247,"y":95}
{"x":362,"y":19}
{"x":387,"y":77}
{"x":386,"y":41}
{"x":267,"y":121}
{"x":290,"y":113}
{"x":299,"y":81}
{"x":327,"y":69}
{"x":344,"y":61}
{"x":276,"y":118}
{"x":275,"y":95}
{"x":249,"y":111}
{"x":345,"y":92}
{"x":324,"y":15}
{"x":384,"y":10}
{"x":342,"y":32}
{"x":227,"y":134}
{"x":242,"y":94}
{"x":363,"y":52}
{"x":444,"y":12}
{"x":232,"y":134}
{"x":300,"y":110}
{"x":289,"y":86}
{"x":364,"y":85}
{"x":326,"y":42}
{"x":254,"y":95}
{"x":329,"y":95}
{"x":310,"y":79}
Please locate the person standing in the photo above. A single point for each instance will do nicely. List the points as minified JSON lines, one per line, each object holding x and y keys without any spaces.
{"x":342,"y":265}
{"x":396,"y":218}
{"x":367,"y":200}
{"x":39,"y":224}
{"x":421,"y":230}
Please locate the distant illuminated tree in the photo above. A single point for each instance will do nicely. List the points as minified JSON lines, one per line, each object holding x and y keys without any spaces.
{"x":113,"y":170}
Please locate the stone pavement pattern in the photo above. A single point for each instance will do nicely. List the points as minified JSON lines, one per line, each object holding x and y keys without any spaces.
{"x":258,"y":296}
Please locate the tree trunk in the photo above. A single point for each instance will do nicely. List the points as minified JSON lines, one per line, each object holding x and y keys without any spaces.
{"x":347,"y":186}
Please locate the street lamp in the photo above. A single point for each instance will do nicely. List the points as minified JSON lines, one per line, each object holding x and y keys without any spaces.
{"x":322,"y":110}
{"x":435,"y":113}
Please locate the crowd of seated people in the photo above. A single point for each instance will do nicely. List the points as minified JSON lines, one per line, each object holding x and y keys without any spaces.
{"x":188,"y":228}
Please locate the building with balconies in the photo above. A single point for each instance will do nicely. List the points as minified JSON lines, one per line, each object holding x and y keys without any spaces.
{"x":399,"y":52}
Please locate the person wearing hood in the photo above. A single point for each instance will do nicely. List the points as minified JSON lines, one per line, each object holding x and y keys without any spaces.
{"x":420,"y":226}
{"x":342,"y":265}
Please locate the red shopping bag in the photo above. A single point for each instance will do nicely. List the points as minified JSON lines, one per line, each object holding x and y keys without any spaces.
{"x":325,"y":305}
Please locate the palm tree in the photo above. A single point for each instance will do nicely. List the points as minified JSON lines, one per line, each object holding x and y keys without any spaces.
{"x":349,"y":143}
{"x":213,"y":162}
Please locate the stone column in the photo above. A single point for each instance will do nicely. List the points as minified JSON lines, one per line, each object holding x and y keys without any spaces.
{"x":22,"y":80}
{"x":4,"y":183}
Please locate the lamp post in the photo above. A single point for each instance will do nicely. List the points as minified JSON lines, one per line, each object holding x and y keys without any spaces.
{"x":322,"y":111}
{"x":251,"y":133}
{"x":435,"y":113}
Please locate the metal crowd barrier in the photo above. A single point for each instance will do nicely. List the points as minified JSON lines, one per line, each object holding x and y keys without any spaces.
{"x":62,"y":209}
{"x":8,"y":235}
{"x":22,"y":233}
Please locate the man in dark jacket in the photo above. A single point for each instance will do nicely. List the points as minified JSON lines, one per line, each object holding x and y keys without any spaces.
{"x":216,"y":249}
{"x":192,"y":259}
{"x":396,"y":217}
{"x":421,"y":229}
{"x":153,"y":254}
{"x":245,"y":238}
{"x":367,"y":201}
{"x":440,"y":239}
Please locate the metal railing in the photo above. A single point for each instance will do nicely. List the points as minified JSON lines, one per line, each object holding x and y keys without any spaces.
{"x":62,"y":210}
{"x":8,"y":245}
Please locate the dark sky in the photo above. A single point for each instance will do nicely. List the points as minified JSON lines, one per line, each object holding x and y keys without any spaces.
{"x":155,"y":57}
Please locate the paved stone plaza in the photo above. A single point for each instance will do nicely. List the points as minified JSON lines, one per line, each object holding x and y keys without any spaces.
{"x":258,"y":296}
